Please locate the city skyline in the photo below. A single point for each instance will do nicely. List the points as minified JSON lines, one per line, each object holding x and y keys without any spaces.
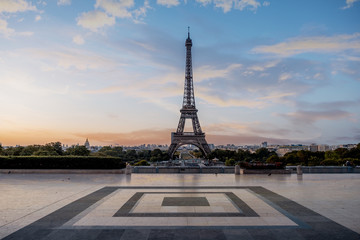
{"x":113,"y":71}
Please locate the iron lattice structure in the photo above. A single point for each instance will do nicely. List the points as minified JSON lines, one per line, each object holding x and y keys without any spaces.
{"x":188,"y":111}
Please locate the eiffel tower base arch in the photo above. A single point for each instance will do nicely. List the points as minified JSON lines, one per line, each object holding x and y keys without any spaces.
{"x":179,"y":139}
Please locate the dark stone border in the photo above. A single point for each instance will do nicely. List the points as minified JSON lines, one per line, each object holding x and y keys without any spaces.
{"x":185,"y":202}
{"x":244,"y":209}
{"x":315,"y":225}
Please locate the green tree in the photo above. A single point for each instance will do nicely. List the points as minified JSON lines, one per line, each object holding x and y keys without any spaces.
{"x":1,"y":149}
{"x":131,"y":155}
{"x":13,"y":151}
{"x":158,"y":155}
{"x":77,"y":151}
{"x":110,"y":151}
{"x":353,"y":153}
{"x":47,"y":152}
{"x":314,"y":161}
{"x":273,"y":159}
{"x":291,"y":158}
{"x":196,"y":153}
{"x":142,"y":163}
{"x":144,"y":154}
{"x":105,"y":148}
{"x":262,"y":154}
{"x":50,"y":149}
{"x":30,"y":150}
{"x":57,"y":147}
{"x":331,"y":155}
{"x":230,"y":162}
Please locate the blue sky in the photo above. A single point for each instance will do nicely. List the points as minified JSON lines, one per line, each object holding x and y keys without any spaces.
{"x":113,"y":70}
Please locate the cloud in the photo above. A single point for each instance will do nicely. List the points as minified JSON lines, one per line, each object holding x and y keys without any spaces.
{"x":331,"y":105}
{"x":309,"y":117}
{"x":264,"y":66}
{"x":66,"y":58}
{"x":230,"y":102}
{"x":284,"y":77}
{"x":204,"y":2}
{"x":207,"y":71}
{"x":245,"y":139}
{"x":228,"y":5}
{"x":113,"y":9}
{"x":145,"y":136}
{"x":116,"y":8}
{"x":256,"y":84}
{"x":318,"y":44}
{"x":37,"y":18}
{"x":163,"y":136}
{"x":8,"y":32}
{"x":140,"y":13}
{"x":242,"y":4}
{"x":63,"y":2}
{"x":5,"y":30}
{"x":13,"y":6}
{"x":349,"y":3}
{"x":78,"y":39}
{"x":95,"y":20}
{"x":168,"y":3}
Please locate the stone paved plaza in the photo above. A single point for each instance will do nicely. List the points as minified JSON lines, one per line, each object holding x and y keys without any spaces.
{"x":179,"y":206}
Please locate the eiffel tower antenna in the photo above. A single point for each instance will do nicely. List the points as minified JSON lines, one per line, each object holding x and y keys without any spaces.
{"x":188,"y":111}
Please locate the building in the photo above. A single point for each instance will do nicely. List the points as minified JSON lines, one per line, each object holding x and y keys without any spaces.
{"x":323,"y":148}
{"x":313,"y":147}
{"x":87,"y":144}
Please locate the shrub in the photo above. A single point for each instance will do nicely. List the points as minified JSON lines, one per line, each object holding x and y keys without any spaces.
{"x":61,"y":162}
{"x":330,"y":162}
{"x":260,"y":165}
{"x":142,"y":163}
{"x":230,"y":162}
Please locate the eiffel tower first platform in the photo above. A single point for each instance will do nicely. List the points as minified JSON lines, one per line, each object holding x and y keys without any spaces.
{"x":188,"y":111}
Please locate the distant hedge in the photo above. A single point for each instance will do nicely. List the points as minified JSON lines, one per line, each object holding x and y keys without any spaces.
{"x":61,"y":162}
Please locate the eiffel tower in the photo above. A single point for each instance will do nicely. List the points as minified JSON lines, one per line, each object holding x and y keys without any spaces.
{"x":188,"y":111}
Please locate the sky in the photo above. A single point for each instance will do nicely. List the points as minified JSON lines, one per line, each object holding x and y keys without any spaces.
{"x":281,"y":71}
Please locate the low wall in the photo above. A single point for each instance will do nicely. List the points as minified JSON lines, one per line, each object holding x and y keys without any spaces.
{"x":265,"y":171}
{"x":62,"y":171}
{"x":146,"y":169}
{"x":325,"y":169}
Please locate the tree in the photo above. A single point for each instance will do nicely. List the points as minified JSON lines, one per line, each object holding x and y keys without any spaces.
{"x":30,"y":150}
{"x":331,"y":155}
{"x":42,"y":152}
{"x":196,"y":153}
{"x":1,"y":149}
{"x":142,"y":163}
{"x":144,"y":154}
{"x":262,"y":154}
{"x":131,"y":155}
{"x":77,"y":151}
{"x":314,"y":161}
{"x":230,"y":162}
{"x":158,"y":155}
{"x":57,"y":147}
{"x":273,"y":159}
{"x":13,"y":151}
{"x":50,"y":149}
{"x":109,"y":151}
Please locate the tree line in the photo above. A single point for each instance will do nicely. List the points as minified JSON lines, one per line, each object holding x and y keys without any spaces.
{"x":335,"y":157}
{"x":55,"y":149}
